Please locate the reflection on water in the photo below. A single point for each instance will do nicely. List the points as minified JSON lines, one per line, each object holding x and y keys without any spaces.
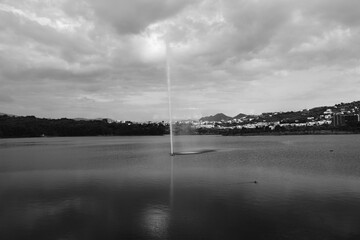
{"x":200,"y":151}
{"x":156,"y":221}
{"x":129,"y":188}
{"x":171,"y":196}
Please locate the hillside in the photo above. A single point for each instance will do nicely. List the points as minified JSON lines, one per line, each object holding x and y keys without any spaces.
{"x":239,"y":116}
{"x":315,"y":113}
{"x":216,"y":118}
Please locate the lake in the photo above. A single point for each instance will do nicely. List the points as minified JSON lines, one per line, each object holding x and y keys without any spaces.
{"x":254,"y":187}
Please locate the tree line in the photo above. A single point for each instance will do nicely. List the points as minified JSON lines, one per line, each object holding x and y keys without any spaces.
{"x":30,"y":126}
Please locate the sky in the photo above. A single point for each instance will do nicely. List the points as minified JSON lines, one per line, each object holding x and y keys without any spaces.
{"x":107,"y":58}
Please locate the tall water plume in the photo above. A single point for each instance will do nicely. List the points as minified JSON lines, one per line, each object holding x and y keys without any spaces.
{"x":168,"y":78}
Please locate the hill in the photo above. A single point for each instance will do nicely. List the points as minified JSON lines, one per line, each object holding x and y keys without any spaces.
{"x":239,"y":116}
{"x":216,"y":118}
{"x":6,"y":114}
{"x":315,"y":113}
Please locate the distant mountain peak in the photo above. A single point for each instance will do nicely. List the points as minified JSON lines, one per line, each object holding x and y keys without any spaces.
{"x":240,"y":115}
{"x":216,"y":118}
{"x":221,"y":117}
{"x":6,"y":114}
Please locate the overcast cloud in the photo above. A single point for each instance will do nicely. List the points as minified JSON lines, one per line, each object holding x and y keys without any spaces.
{"x":92,"y":58}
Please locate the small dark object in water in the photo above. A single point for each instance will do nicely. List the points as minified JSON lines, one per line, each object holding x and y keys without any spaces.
{"x":246,"y":182}
{"x":331,"y":150}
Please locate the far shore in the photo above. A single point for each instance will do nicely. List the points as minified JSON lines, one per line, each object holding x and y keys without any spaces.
{"x":213,"y":134}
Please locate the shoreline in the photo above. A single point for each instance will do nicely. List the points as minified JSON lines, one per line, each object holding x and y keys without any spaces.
{"x":213,"y":134}
{"x":292,"y":134}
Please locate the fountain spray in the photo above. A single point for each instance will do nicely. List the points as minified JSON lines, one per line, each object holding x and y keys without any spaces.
{"x":168,"y":77}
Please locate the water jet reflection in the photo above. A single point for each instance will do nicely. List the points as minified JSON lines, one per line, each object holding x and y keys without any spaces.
{"x":156,"y":221}
{"x":156,"y":218}
{"x":171,"y":182}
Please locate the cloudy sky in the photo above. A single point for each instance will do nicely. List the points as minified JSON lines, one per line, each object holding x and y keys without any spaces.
{"x":106,"y":58}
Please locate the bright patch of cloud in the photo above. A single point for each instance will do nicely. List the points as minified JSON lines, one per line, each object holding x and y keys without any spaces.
{"x":335,"y":38}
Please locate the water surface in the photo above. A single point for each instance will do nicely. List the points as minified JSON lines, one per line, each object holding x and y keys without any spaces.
{"x":308,"y":187}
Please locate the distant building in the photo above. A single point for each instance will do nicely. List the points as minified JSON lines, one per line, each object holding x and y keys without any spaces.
{"x":339,"y":120}
{"x":328,"y":117}
{"x":351,"y":119}
{"x":328,"y":111}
